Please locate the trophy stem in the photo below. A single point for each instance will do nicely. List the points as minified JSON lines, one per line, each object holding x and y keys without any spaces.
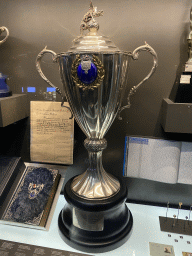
{"x":95,"y":182}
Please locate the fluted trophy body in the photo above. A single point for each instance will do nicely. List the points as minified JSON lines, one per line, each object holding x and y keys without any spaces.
{"x":94,"y":110}
{"x":94,"y":75}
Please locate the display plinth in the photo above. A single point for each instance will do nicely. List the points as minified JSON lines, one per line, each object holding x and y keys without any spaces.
{"x":176,"y":117}
{"x":95,"y":226}
{"x":13,"y":109}
{"x":177,"y":226}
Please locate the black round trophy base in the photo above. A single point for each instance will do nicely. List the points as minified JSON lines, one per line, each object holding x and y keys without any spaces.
{"x":95,"y":226}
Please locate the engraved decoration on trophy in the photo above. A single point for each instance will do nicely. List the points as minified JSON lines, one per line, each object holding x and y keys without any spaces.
{"x":94,"y":76}
{"x":87,"y":72}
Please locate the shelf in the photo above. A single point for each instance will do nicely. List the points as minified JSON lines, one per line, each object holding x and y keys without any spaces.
{"x":146,"y":229}
{"x":176,"y":117}
{"x":13,"y":109}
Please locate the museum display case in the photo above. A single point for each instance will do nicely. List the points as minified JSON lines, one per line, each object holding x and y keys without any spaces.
{"x":160,"y":204}
{"x":176,"y":113}
{"x":12,"y":107}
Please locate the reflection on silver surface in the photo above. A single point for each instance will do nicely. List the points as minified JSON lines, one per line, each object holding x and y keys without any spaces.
{"x":4,"y":29}
{"x":95,"y":103}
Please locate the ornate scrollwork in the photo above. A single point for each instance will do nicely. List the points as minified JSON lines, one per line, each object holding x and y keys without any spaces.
{"x":96,"y":82}
{"x":2,"y":29}
{"x":135,"y":56}
{"x":38,"y":67}
{"x":88,"y":21}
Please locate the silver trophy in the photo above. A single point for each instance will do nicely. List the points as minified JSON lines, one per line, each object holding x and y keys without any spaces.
{"x":4,"y":88}
{"x":94,"y":76}
{"x":4,"y":29}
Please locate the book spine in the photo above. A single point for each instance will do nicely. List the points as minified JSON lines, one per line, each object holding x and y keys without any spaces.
{"x":50,"y":201}
{"x":125,"y":156}
{"x":12,"y":190}
{"x":9,"y":174}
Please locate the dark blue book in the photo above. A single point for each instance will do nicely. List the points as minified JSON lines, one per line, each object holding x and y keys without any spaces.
{"x":32,"y":198}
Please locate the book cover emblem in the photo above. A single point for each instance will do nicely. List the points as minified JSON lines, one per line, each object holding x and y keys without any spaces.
{"x":34,"y":190}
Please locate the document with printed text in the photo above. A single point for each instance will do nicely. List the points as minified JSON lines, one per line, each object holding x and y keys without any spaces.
{"x":158,"y":159}
{"x":52,"y":132}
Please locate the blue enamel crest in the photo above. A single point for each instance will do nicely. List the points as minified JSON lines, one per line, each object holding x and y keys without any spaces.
{"x":87,"y":72}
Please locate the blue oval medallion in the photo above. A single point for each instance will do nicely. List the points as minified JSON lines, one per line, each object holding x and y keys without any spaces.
{"x":87,"y":76}
{"x":32,"y":194}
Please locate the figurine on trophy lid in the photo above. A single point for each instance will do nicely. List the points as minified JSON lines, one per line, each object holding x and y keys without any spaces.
{"x":94,"y":75}
{"x":4,"y":88}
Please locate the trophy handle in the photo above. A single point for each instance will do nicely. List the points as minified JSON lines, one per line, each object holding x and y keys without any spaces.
{"x":38,"y":67}
{"x":2,"y":29}
{"x":135,"y":56}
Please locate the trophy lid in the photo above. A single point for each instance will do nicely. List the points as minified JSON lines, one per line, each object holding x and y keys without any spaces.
{"x":92,"y":41}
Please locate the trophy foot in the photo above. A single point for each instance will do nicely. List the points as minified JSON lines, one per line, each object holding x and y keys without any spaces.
{"x":95,"y":226}
{"x":95,"y":186}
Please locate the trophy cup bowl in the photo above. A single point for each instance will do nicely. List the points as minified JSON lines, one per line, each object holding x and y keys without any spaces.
{"x":94,"y":77}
